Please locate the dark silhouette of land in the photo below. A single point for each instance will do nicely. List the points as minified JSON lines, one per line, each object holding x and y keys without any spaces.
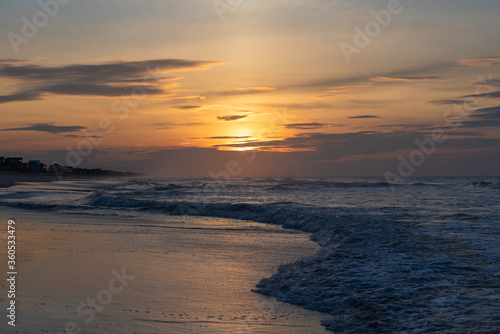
{"x":13,"y":170}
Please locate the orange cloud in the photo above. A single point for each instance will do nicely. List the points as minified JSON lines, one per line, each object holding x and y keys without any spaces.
{"x":336,"y":92}
{"x":405,"y":79}
{"x":479,"y":61}
{"x":255,"y":89}
{"x":343,"y":90}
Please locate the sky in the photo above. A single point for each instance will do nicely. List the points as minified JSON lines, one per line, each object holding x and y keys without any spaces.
{"x":236,"y":88}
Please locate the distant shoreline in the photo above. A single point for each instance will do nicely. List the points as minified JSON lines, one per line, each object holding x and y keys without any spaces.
{"x":9,"y":179}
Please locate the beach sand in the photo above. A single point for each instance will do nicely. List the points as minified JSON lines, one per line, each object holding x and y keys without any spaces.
{"x":191,"y":275}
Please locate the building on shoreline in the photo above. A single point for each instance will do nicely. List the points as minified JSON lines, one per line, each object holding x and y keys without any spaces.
{"x":13,"y":164}
{"x":16,"y":164}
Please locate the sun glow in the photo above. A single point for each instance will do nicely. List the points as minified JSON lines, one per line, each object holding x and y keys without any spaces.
{"x":242,"y":149}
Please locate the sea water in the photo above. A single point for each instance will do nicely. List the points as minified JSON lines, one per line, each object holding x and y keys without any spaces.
{"x":416,"y":257}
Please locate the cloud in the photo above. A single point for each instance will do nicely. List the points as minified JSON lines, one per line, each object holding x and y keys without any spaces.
{"x":255,"y":89}
{"x":172,"y":125}
{"x":365,"y":79}
{"x":298,"y":106}
{"x":91,"y":89}
{"x":334,"y":146}
{"x":134,"y":71}
{"x":317,"y":147}
{"x":450,"y":101}
{"x":246,"y":90}
{"x":487,"y":85}
{"x":488,"y":82}
{"x":12,"y":60}
{"x":187,"y":107}
{"x":479,"y":62}
{"x":305,"y":126}
{"x":404,"y":79}
{"x":47,"y":127}
{"x":369,"y":82}
{"x":364,"y":117}
{"x":484,"y":118}
{"x":23,"y":96}
{"x":349,"y":84}
{"x":343,"y":90}
{"x":490,"y":95}
{"x":140,"y":152}
{"x":189,"y":98}
{"x":107,"y":80}
{"x":231,"y":118}
{"x":86,"y":136}
{"x":229,"y":137}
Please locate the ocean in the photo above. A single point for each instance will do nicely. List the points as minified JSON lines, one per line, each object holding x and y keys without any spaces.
{"x":416,"y":257}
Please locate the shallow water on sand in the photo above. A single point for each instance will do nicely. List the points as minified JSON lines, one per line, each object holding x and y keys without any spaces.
{"x":192,"y":275}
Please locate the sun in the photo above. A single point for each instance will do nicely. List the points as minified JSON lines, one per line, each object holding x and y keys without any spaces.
{"x":242,"y":149}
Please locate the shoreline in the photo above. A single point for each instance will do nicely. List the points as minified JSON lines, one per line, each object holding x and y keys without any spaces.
{"x":184,"y":281}
{"x":9,"y":179}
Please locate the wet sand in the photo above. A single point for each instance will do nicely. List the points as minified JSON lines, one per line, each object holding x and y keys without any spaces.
{"x":191,"y":275}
